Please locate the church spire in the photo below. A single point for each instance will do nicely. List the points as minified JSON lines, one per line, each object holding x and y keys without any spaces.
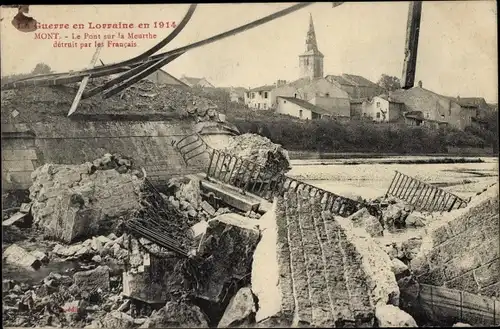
{"x":311,"y":43}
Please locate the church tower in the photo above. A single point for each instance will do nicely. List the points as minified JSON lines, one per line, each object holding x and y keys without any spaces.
{"x":311,"y":61}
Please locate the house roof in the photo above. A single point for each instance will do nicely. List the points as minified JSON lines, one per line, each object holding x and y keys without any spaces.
{"x":193,"y":81}
{"x":358,"y":100}
{"x":263,"y":88}
{"x":468,"y":101}
{"x":174,"y":78}
{"x":306,"y":105}
{"x":389,"y":99}
{"x":353,"y":80}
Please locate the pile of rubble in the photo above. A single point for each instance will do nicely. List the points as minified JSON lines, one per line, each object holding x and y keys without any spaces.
{"x":80,"y":273}
{"x":260,"y":150}
{"x":143,"y":98}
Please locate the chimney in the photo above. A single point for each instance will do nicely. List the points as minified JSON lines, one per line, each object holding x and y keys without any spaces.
{"x":420,"y":83}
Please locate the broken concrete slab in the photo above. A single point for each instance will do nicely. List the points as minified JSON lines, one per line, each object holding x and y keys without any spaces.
{"x":265,"y":269}
{"x":18,"y":256}
{"x":239,"y":309}
{"x":92,"y":280}
{"x":390,"y":316}
{"x":18,"y":219}
{"x":207,"y":207}
{"x":226,"y":253}
{"x":25,"y":207}
{"x":72,"y":201}
{"x":231,"y":196}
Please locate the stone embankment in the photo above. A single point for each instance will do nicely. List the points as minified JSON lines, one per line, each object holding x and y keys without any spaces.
{"x":461,"y":252}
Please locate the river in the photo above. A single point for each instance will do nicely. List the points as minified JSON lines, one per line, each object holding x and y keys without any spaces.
{"x":370,"y":179}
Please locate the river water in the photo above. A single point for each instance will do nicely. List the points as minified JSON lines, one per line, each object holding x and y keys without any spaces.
{"x":370,"y":179}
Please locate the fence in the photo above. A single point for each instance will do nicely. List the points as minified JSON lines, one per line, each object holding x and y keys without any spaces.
{"x":439,"y":303}
{"x":422,"y":195}
{"x":256,"y":179}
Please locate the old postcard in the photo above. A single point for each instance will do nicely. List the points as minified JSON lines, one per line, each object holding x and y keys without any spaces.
{"x":329,"y":164}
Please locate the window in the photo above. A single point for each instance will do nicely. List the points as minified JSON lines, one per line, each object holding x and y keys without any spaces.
{"x":265,"y":94}
{"x":300,"y":113}
{"x":378,"y":115}
{"x":284,"y":102}
{"x":264,"y":106}
{"x":378,"y":104}
{"x":327,"y":94}
{"x":258,"y":105}
{"x":305,"y":95}
{"x":295,"y":95}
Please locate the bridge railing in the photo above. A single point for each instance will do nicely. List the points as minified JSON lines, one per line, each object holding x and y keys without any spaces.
{"x":256,"y":179}
{"x":423,"y":196}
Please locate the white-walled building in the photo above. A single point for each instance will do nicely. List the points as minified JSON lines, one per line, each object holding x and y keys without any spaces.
{"x":259,"y":98}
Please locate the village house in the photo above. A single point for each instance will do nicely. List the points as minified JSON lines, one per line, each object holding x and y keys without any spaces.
{"x":382,"y":109}
{"x":300,"y":108}
{"x":356,"y":108}
{"x":161,"y":77}
{"x":355,"y":85}
{"x":196,"y":82}
{"x":237,"y":94}
{"x":259,"y":98}
{"x":422,"y":105}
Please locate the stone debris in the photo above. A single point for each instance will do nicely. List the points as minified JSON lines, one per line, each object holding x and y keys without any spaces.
{"x":371,"y":224}
{"x":390,"y":316}
{"x":240,"y":308}
{"x":91,"y":280}
{"x":177,"y":314}
{"x":399,"y":268}
{"x":460,"y":324}
{"x":74,"y":201}
{"x":18,"y":256}
{"x":40,"y":255}
{"x":260,"y":150}
{"x":227,"y":251}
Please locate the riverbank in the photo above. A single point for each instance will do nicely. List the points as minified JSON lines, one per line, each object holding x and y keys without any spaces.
{"x":357,"y":159}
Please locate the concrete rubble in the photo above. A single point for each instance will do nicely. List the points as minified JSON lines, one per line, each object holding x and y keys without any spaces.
{"x":292,"y":265}
{"x":260,"y":150}
{"x":72,"y":202}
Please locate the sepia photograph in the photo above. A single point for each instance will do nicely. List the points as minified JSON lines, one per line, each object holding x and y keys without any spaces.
{"x":250,"y":165}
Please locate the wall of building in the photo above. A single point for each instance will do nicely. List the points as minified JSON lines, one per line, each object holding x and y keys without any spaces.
{"x":311,"y":66}
{"x":258,"y":100}
{"x":336,"y":106}
{"x":287,"y":107}
{"x":309,"y":90}
{"x":375,"y":109}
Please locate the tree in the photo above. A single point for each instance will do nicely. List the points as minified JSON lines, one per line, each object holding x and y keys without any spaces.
{"x":41,"y":68}
{"x":389,"y":83}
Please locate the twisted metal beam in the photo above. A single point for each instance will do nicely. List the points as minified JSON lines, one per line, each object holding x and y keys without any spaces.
{"x":64,"y":78}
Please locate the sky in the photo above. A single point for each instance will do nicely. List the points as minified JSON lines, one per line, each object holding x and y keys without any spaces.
{"x":457,"y":53}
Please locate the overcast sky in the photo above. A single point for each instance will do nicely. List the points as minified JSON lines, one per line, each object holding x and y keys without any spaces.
{"x":457,"y":52}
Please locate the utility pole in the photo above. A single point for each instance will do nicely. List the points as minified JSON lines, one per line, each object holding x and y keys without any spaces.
{"x":411,"y":46}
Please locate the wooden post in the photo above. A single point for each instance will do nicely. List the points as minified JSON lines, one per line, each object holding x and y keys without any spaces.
{"x":411,"y":46}
{"x":84,"y":82}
